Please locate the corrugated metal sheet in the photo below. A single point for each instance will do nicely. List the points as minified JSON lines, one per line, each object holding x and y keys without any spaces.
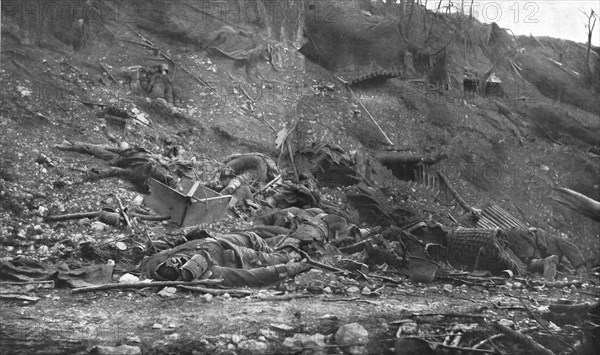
{"x":495,"y":216}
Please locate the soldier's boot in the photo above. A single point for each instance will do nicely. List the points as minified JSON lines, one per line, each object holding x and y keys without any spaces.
{"x":168,"y":93}
{"x":294,"y":268}
{"x":550,"y":264}
{"x":294,"y":254}
{"x":157,"y":90}
{"x":367,"y":232}
{"x":545,"y":266}
{"x":135,"y":85}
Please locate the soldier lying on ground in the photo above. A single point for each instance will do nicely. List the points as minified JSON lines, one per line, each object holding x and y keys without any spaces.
{"x":160,"y":85}
{"x":307,"y":225}
{"x":240,"y":259}
{"x":253,"y":169}
{"x":134,"y":164}
{"x":244,"y":258}
{"x":519,"y":250}
{"x":137,"y":165}
{"x":304,"y":194}
{"x":238,"y":45}
{"x":543,"y":252}
{"x":152,"y":81}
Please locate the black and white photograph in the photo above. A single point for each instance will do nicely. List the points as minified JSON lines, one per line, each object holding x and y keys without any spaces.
{"x":306,"y":177}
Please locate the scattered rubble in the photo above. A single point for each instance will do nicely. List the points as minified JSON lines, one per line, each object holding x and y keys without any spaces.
{"x":301,"y":341}
{"x":119,"y":350}
{"x":352,"y":338}
{"x":337,"y":226}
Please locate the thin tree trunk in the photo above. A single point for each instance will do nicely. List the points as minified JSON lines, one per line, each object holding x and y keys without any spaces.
{"x":577,"y":202}
{"x":588,"y":67}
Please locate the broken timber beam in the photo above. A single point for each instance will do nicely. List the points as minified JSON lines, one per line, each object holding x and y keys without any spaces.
{"x":108,"y":72}
{"x":143,"y":284}
{"x":373,"y":120}
{"x":392,"y":157}
{"x":22,"y":67}
{"x":347,"y":85}
{"x":90,"y":215}
{"x":526,"y":340}
{"x":219,"y":292}
{"x":66,"y":217}
{"x":577,"y":202}
{"x":454,"y":193}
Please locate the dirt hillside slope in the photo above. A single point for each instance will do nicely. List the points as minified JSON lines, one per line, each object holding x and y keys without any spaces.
{"x":60,"y":73}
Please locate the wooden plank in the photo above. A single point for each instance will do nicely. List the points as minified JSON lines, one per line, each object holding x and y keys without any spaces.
{"x":201,"y":190}
{"x":108,"y":72}
{"x":193,"y":189}
{"x":210,"y":199}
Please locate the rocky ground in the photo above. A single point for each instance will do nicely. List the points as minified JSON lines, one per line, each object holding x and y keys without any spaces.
{"x":189,"y":323}
{"x":42,"y":92}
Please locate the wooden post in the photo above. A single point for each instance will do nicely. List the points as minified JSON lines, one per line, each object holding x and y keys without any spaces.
{"x":367,"y":111}
{"x":454,"y":193}
{"x":373,"y":119}
{"x":577,"y":202}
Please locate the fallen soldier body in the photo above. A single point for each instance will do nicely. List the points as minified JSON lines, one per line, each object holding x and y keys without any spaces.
{"x":241,"y":259}
{"x":311,"y":224}
{"x":253,"y":169}
{"x":152,"y":81}
{"x":246,"y":259}
{"x":519,"y":250}
{"x":134,"y":164}
{"x":138,"y":165}
{"x":542,"y":251}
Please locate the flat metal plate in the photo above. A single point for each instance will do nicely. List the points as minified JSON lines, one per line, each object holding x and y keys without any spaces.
{"x":206,"y":206}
